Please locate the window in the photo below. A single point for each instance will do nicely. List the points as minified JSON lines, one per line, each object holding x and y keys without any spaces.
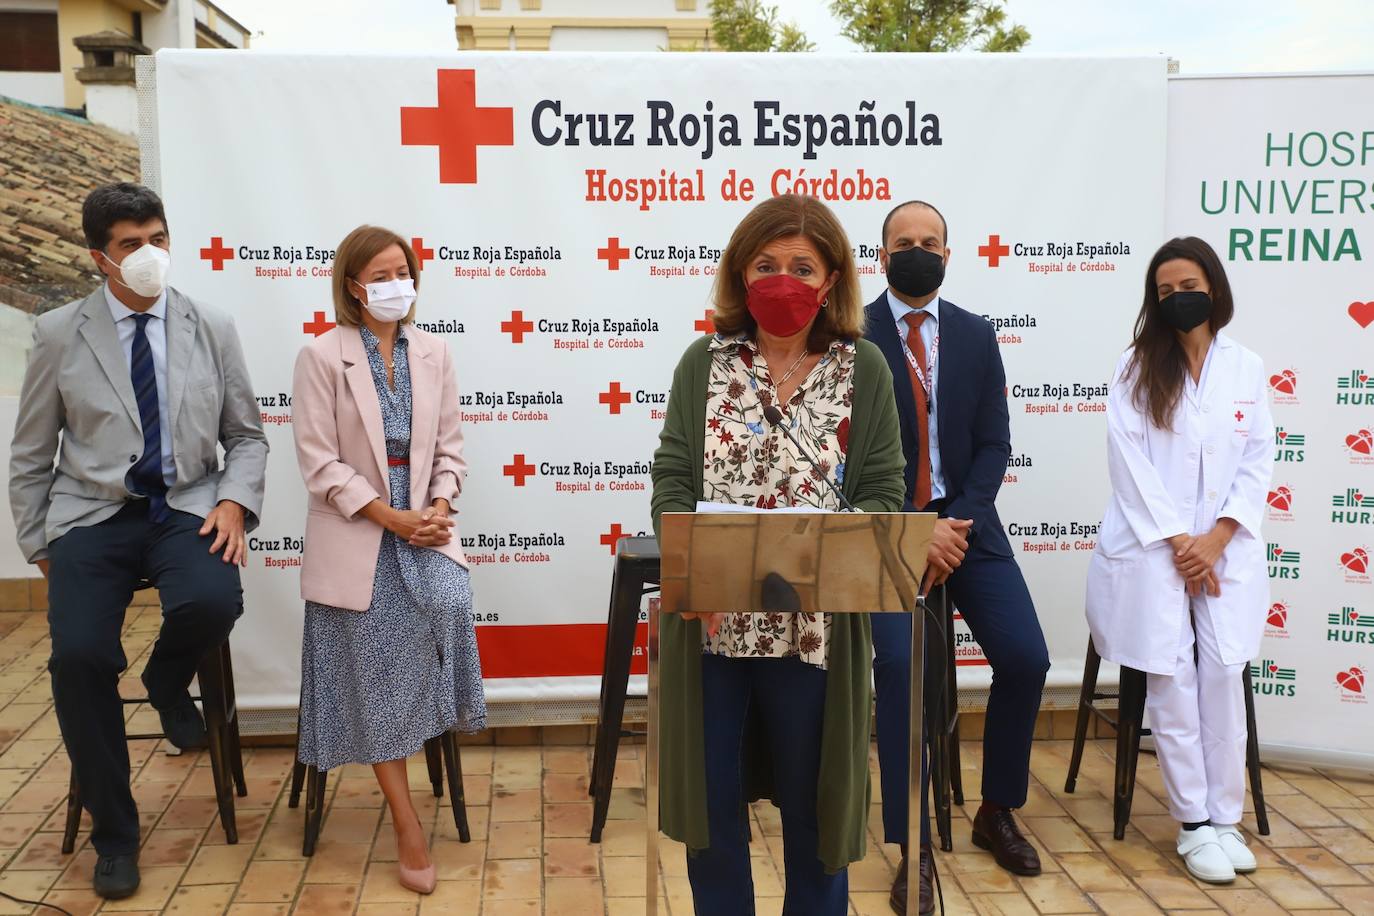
{"x":28,"y":42}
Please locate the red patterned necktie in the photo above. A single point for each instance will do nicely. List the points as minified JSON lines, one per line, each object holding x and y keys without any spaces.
{"x":913,"y":343}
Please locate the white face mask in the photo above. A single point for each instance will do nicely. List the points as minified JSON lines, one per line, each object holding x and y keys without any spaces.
{"x":389,"y":300}
{"x":144,"y":271}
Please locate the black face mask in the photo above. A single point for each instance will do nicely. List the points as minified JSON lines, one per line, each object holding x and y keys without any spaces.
{"x":1185,"y":310}
{"x":915,"y":271}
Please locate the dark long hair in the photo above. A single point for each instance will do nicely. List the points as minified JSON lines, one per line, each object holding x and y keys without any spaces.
{"x":1158,"y":364}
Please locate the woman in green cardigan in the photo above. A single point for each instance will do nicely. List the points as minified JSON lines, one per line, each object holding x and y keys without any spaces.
{"x":774,"y":705}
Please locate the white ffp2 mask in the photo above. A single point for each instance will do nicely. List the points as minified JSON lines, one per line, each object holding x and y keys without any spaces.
{"x":144,"y":271}
{"x":389,"y":300}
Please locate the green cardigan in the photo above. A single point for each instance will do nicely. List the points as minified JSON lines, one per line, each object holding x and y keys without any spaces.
{"x":873,"y":482}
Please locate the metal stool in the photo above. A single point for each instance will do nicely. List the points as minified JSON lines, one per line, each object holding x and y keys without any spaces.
{"x":636,"y":574}
{"x":942,"y":723}
{"x":442,"y":756}
{"x":215,"y":674}
{"x":1127,"y":725}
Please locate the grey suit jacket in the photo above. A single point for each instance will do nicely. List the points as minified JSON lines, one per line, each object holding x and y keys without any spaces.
{"x":77,"y":406}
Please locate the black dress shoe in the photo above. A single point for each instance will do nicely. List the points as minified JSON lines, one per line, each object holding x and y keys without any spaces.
{"x":898,"y":898}
{"x":182,"y":724}
{"x":996,"y":831}
{"x":116,"y":877}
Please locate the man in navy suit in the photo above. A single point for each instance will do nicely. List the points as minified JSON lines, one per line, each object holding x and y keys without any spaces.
{"x":951,"y":397}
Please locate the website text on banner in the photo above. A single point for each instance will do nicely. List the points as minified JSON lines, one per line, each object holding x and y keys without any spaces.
{"x":569,"y":211}
{"x":1277,"y":173}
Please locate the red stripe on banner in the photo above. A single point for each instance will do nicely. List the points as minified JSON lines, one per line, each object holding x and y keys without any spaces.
{"x":550,"y":650}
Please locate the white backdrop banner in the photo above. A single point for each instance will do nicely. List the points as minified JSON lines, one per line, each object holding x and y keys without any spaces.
{"x":569,"y":211}
{"x":1277,"y":173}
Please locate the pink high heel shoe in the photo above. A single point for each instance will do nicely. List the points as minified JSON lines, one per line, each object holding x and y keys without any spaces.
{"x":419,"y":880}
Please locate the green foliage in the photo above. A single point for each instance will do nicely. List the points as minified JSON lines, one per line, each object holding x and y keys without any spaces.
{"x":929,"y":25}
{"x":749,"y":25}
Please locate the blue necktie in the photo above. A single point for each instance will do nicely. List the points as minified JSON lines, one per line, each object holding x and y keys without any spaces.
{"x":145,"y":477}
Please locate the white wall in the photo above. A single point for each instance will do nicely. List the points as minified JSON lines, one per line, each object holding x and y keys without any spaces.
{"x":174,"y":27}
{"x":34,"y":88}
{"x":574,"y":39}
{"x":16,"y":336}
{"x":113,"y":106}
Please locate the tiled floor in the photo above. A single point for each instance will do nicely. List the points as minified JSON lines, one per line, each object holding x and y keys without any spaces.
{"x":530,"y":817}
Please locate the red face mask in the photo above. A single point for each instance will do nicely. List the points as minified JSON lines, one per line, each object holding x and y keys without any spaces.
{"x":781,"y":304}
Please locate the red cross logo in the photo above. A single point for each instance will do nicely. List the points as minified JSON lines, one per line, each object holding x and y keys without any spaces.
{"x":217,"y":253}
{"x":517,"y":327}
{"x":422,"y":254}
{"x":614,"y":397}
{"x":1239,"y":416}
{"x":457,"y":126}
{"x":613,"y":254}
{"x":612,"y":537}
{"x":705,"y":325}
{"x":519,"y":469}
{"x":994,"y":250}
{"x":317,"y":325}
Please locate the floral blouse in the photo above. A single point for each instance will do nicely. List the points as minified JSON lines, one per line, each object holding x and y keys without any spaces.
{"x":748,"y":462}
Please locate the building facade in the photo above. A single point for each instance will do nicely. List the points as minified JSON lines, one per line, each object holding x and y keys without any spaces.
{"x":39,"y":58}
{"x":583,"y":25}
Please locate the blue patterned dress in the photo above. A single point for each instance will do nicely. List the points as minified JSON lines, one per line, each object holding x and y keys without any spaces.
{"x":375,"y":686}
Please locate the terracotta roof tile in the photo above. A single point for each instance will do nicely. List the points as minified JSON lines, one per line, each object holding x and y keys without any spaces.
{"x":49,"y":162}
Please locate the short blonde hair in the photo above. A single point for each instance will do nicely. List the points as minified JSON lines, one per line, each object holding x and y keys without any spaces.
{"x":785,"y":217}
{"x":358,"y":248}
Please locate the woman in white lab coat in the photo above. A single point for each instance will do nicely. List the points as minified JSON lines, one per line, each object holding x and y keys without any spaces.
{"x":1180,"y":565}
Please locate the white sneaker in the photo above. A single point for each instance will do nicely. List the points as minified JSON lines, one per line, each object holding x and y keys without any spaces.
{"x":1202,"y":854}
{"x":1237,"y":850}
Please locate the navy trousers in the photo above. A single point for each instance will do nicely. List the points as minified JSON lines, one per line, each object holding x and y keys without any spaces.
{"x":92,"y":576}
{"x":991,"y":593}
{"x":789,"y":695}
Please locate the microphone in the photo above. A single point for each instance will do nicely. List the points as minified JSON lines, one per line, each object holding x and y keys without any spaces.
{"x":773,"y":415}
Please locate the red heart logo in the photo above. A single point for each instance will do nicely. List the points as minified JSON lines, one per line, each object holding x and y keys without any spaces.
{"x":1283,"y":435}
{"x":1354,"y":616}
{"x":1352,"y":680}
{"x":1283,"y":382}
{"x":1364,"y":378}
{"x":1278,"y":552}
{"x":1273,"y":668}
{"x":1361,"y":442}
{"x":1355,"y":561}
{"x":1362,"y":312}
{"x":1278,"y":616}
{"x":1359,"y":497}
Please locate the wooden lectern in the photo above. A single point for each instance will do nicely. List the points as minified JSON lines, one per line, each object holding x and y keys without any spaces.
{"x":835,"y":563}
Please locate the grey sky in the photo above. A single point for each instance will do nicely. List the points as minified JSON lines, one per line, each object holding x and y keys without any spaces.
{"x":1206,"y":36}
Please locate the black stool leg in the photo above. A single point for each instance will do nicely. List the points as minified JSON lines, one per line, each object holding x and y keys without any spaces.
{"x":956,"y":776}
{"x":453,"y":763}
{"x":211,"y":677}
{"x":937,"y":741}
{"x":436,"y":767}
{"x":1091,"y":664}
{"x":1252,"y":761}
{"x":232,"y":706}
{"x":73,"y":817}
{"x":1130,"y":717}
{"x":627,"y":592}
{"x":316,"y":782}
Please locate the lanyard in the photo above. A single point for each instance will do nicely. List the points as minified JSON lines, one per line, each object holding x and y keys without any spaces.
{"x":927,"y":385}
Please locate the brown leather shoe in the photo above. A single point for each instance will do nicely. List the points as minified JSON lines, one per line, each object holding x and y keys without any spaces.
{"x":996,"y":831}
{"x":898,"y":897}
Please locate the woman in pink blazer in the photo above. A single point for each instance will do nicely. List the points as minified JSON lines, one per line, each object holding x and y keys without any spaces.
{"x":389,"y":657}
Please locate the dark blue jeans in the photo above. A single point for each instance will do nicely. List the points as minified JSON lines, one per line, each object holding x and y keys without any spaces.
{"x":93,"y":574}
{"x":991,"y":593}
{"x":789,"y":696}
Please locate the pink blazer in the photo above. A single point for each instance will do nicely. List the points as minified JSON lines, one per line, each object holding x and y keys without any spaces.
{"x":341,"y":450}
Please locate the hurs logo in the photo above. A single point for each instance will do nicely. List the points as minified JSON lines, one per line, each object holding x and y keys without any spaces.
{"x":1288,"y":447}
{"x":1283,"y":564}
{"x":1268,"y":679}
{"x":1355,"y":389}
{"x":1353,"y":507}
{"x":1350,"y":626}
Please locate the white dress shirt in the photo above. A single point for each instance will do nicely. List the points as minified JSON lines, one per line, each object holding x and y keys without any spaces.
{"x":930,"y":329}
{"x":156,"y":331}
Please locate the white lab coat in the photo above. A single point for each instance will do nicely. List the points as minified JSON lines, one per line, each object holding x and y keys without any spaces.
{"x":1136,"y":601}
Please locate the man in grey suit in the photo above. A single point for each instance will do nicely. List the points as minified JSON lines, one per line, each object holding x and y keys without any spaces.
{"x":115,"y":480}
